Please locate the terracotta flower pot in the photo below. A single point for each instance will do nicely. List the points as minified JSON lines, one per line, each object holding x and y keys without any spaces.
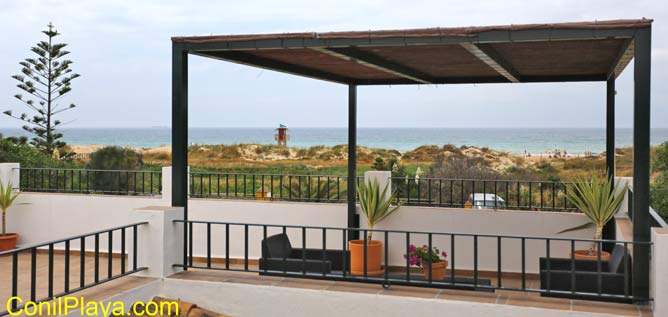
{"x":437,"y":270}
{"x":8,"y":241}
{"x":584,"y":255}
{"x":374,"y":251}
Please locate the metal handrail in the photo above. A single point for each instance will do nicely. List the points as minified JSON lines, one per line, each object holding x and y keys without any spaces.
{"x":656,"y":219}
{"x":84,"y":283}
{"x":463,"y":234}
{"x":318,"y":264}
{"x":44,"y":244}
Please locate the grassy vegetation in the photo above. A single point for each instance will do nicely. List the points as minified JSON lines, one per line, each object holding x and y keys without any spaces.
{"x":271,"y":159}
{"x":434,"y":161}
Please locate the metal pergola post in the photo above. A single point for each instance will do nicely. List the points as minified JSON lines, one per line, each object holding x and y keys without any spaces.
{"x":610,"y":126}
{"x":180,"y":137}
{"x":352,"y":162}
{"x":610,"y":229}
{"x":641,"y":161}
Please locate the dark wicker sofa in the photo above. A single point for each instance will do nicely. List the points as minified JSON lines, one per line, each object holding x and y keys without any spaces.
{"x":279,"y":255}
{"x":613,"y":279}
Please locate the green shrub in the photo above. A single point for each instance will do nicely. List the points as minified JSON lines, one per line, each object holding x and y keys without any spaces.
{"x":659,"y":187}
{"x":15,"y":151}
{"x":659,"y":195}
{"x":113,"y":158}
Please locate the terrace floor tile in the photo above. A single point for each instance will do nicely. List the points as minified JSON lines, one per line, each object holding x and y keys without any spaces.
{"x":352,"y":287}
{"x":410,"y":291}
{"x":535,"y":300}
{"x":471,"y":296}
{"x":606,"y":308}
{"x":305,"y":283}
{"x":501,"y":297}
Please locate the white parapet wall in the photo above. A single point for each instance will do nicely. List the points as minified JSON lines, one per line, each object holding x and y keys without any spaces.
{"x":659,"y":271}
{"x":41,"y":217}
{"x":160,"y":242}
{"x":53,"y":216}
{"x":484,"y":222}
{"x":49,"y":216}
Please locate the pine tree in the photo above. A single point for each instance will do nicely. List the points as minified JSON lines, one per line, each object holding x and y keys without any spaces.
{"x":46,"y":79}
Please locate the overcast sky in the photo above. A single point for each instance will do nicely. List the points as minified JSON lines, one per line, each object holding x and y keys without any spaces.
{"x":122,"y":50}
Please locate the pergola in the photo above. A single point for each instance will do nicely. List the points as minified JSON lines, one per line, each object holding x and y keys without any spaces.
{"x":561,"y":52}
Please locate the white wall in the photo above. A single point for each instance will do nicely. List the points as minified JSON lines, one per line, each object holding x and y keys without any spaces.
{"x":659,"y":271}
{"x":486,"y":222}
{"x":47,"y":216}
{"x":41,"y":217}
{"x":53,"y":216}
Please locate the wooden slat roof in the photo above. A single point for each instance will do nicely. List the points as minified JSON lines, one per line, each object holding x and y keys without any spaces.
{"x":578,"y":51}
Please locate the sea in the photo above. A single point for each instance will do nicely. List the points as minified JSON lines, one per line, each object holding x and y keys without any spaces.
{"x":512,"y":140}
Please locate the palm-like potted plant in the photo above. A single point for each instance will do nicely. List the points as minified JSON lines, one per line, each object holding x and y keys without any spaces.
{"x":376,"y":205}
{"x":7,"y":198}
{"x":599,"y":199}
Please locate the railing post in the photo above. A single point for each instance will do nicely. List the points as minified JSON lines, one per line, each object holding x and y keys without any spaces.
{"x":160,"y":242}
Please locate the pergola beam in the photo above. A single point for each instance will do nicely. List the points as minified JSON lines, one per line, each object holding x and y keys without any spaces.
{"x":377,"y":62}
{"x":623,"y":58}
{"x":488,"y":80}
{"x":493,"y":59}
{"x":491,"y":36}
{"x":248,"y":59}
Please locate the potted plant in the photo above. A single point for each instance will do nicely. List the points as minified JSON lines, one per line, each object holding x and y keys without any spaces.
{"x":376,"y":206}
{"x":7,"y":197}
{"x":425,"y":258}
{"x":599,"y":200}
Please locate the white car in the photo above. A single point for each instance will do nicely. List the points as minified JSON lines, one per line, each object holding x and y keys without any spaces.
{"x":486,"y":201}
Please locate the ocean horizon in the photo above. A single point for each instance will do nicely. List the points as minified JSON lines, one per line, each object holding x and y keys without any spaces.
{"x":514,"y":140}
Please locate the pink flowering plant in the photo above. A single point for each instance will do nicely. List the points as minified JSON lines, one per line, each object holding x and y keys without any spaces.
{"x":416,"y":256}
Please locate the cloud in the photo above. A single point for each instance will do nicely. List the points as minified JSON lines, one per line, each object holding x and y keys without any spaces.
{"x":122,"y":49}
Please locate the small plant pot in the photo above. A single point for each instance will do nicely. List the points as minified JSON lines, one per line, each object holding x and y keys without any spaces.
{"x":585,"y":255}
{"x":374,"y":250}
{"x":8,"y":241}
{"x":437,"y":270}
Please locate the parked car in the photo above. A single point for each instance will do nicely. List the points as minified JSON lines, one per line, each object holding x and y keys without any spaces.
{"x":486,"y":201}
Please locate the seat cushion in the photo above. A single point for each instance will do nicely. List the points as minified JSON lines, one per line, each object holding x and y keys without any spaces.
{"x":276,"y":246}
{"x":618,"y":259}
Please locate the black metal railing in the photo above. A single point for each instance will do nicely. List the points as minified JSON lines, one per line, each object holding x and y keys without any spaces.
{"x":45,"y":288}
{"x":655,"y":219}
{"x":483,"y":194}
{"x":586,"y":279}
{"x":91,"y":181}
{"x":288,"y":187}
